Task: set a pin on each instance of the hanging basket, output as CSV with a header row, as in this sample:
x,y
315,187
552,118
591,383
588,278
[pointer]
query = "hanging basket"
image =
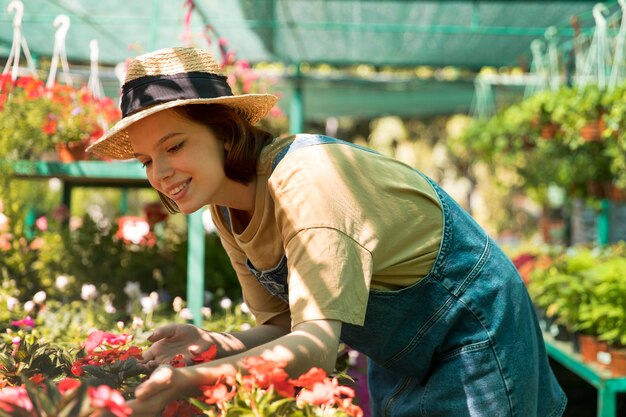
x,y
71,151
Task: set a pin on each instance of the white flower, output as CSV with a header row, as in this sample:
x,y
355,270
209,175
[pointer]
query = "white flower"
x,y
244,308
245,326
177,304
147,305
12,302
39,297
206,312
120,325
353,356
154,296
29,306
185,314
88,292
61,282
109,307
137,322
132,289
226,303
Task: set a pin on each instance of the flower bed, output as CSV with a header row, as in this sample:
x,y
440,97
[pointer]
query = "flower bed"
x,y
89,373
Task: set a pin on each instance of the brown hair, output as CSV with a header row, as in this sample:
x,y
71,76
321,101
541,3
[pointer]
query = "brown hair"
x,y
246,141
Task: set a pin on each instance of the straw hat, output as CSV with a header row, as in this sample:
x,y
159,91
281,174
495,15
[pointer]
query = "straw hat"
x,y
169,78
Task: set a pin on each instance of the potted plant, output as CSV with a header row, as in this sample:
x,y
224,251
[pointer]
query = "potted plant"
x,y
35,119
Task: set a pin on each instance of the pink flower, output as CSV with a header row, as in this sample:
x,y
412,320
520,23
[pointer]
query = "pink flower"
x,y
98,337
12,397
107,398
25,322
42,223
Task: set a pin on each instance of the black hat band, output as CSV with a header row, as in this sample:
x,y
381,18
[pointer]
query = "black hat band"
x,y
154,89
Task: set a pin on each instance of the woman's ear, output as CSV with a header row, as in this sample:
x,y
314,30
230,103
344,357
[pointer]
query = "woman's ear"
x,y
228,145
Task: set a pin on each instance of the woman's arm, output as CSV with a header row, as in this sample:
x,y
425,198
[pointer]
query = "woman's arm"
x,y
189,340
310,344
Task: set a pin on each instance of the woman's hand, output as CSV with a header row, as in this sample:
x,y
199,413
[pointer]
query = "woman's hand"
x,y
176,339
164,385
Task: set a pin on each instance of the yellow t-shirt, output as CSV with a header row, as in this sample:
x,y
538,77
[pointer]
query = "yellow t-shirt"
x,y
347,220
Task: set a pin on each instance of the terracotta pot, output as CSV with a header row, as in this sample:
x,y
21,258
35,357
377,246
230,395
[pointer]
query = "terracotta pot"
x,y
618,361
71,151
588,347
592,130
548,131
599,189
603,357
617,194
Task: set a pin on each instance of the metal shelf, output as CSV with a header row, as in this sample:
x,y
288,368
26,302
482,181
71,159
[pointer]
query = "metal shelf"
x,y
122,174
602,379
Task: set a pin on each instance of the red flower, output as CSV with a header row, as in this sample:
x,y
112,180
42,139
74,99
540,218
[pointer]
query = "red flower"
x,y
308,379
107,398
77,368
180,409
321,393
50,127
218,393
36,379
178,361
68,384
206,356
268,373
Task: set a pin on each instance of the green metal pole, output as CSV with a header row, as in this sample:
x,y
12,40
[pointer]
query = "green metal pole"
x,y
296,107
607,403
67,196
154,24
195,265
124,201
603,222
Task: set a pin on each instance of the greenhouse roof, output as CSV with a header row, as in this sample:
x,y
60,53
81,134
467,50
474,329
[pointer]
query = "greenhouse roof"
x,y
384,34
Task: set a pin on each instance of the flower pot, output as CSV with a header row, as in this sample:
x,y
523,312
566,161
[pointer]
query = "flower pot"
x,y
618,361
617,194
548,131
588,347
71,151
592,130
599,189
603,357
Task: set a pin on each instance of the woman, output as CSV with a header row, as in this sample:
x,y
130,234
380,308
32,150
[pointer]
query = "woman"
x,y
331,242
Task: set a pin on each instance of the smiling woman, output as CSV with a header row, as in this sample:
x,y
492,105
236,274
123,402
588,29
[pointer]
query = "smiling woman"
x,y
331,242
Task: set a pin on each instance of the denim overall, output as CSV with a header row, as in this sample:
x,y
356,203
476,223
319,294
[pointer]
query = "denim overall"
x,y
462,341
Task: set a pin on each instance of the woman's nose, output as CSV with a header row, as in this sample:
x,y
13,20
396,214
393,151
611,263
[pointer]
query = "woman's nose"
x,y
162,170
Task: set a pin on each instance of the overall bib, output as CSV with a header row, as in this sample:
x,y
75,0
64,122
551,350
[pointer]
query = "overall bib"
x,y
462,341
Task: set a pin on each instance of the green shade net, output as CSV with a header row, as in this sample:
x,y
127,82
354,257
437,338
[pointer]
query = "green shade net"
x,y
384,34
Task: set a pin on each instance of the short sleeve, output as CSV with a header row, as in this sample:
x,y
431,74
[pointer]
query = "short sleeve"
x,y
329,276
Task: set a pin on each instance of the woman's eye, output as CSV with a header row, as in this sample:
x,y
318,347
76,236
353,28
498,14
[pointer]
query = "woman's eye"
x,y
176,147
145,164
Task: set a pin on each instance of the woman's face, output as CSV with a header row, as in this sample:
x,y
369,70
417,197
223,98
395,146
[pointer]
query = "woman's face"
x,y
184,160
